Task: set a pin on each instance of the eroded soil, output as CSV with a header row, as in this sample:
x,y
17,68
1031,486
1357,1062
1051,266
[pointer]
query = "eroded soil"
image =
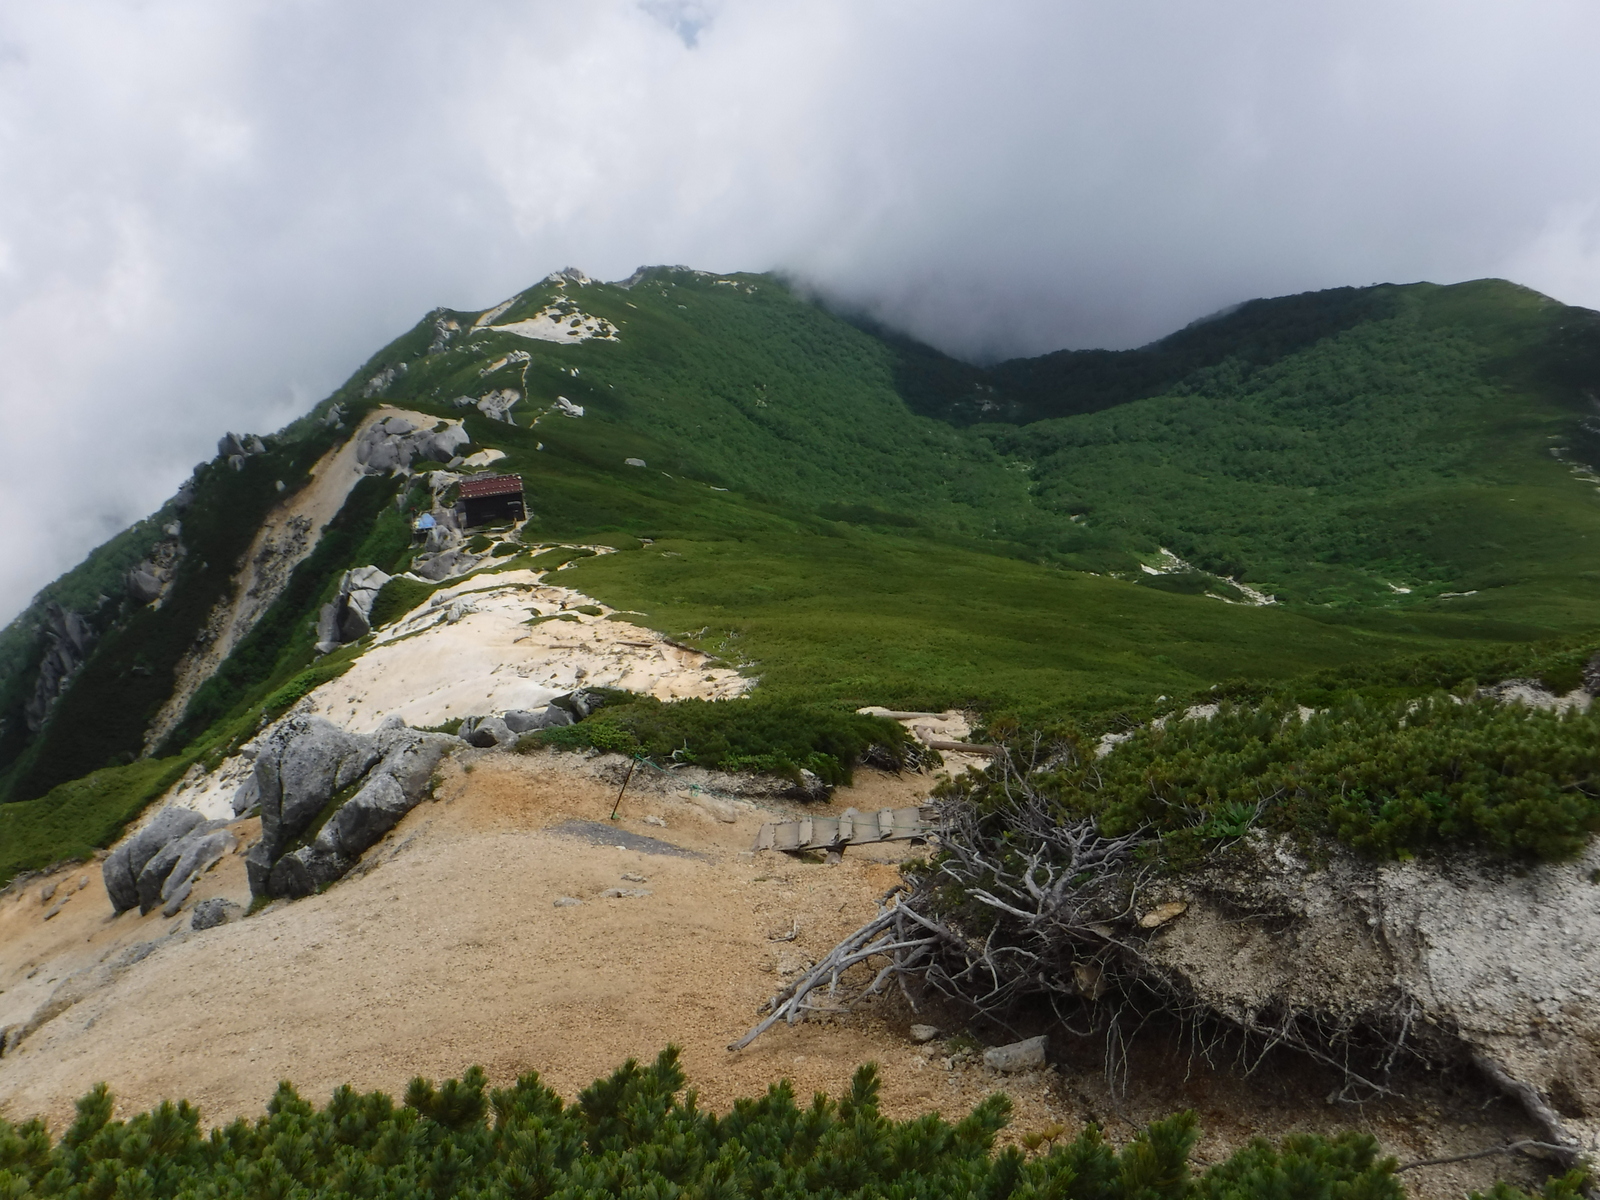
x,y
447,948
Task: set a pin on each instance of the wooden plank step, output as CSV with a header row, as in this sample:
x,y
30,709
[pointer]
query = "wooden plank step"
x,y
849,828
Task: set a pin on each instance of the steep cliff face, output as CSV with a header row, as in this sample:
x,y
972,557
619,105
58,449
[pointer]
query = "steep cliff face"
x,y
287,536
68,640
1439,960
103,675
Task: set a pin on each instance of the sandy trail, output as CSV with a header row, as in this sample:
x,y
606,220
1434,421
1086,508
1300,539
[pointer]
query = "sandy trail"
x,y
451,952
446,949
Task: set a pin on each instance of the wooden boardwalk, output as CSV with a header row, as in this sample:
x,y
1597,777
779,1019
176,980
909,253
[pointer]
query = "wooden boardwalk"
x,y
849,828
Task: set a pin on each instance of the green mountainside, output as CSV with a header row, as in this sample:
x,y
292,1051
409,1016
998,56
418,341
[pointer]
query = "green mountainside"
x,y
857,519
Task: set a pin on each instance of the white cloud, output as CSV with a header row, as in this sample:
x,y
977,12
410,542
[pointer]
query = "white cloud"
x,y
210,214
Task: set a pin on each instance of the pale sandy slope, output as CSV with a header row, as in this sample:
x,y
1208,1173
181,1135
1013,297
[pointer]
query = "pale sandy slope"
x,y
449,951
470,650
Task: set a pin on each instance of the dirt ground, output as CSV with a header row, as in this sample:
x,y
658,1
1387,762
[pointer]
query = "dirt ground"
x,y
447,948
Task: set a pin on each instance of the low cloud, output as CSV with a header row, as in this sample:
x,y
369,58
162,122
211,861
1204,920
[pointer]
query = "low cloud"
x,y
211,214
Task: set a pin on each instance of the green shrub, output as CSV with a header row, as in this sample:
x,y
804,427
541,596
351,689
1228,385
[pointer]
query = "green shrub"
x,y
452,726
396,598
302,685
1388,779
753,734
637,1134
549,560
1564,1187
72,819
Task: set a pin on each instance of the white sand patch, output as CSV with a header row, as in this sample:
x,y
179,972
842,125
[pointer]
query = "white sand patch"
x,y
561,323
1258,598
1171,564
510,360
1580,471
952,725
487,317
468,652
289,533
210,795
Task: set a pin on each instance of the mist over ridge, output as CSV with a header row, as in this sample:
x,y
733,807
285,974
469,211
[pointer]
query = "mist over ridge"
x,y
211,217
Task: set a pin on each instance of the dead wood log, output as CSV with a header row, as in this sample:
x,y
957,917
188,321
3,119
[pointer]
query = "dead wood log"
x,y
896,933
982,748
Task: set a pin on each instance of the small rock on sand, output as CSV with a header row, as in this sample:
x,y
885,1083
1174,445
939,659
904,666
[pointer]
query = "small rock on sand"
x,y
210,913
924,1033
624,893
1162,913
568,901
725,813
1018,1056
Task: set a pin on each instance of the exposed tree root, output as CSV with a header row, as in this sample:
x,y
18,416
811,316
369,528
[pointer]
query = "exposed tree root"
x,y
1025,903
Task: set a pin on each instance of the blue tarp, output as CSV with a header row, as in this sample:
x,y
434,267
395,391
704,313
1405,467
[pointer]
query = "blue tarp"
x,y
426,521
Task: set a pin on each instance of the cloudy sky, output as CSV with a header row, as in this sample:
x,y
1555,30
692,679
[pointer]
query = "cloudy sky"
x,y
210,214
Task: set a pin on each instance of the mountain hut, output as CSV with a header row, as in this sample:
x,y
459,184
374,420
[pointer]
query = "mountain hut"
x,y
490,499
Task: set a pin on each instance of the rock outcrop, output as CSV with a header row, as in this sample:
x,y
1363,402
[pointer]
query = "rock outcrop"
x,y
445,564
208,914
505,728
394,444
199,851
348,617
379,383
497,404
68,639
487,731
302,766
442,555
1496,960
235,448
149,580
125,866
521,720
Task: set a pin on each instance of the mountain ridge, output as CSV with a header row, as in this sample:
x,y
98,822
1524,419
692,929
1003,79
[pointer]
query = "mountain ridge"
x,y
784,449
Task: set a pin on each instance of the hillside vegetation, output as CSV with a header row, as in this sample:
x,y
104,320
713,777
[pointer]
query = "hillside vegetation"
x,y
852,518
638,1134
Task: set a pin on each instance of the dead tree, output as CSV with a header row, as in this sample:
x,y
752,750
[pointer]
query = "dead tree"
x,y
1027,901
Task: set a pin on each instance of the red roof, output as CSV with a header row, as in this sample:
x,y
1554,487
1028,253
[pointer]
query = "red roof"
x,y
491,485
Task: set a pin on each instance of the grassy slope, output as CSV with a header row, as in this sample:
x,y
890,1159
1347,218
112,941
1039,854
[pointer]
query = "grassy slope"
x,y
929,593
872,618
74,818
864,554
